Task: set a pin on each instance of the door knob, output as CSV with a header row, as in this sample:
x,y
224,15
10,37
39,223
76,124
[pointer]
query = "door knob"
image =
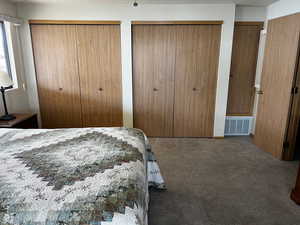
x,y
60,89
194,89
260,92
100,89
155,89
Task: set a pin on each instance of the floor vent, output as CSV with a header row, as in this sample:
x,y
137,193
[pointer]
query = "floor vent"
x,y
238,125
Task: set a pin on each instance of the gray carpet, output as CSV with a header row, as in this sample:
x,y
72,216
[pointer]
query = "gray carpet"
x,y
222,182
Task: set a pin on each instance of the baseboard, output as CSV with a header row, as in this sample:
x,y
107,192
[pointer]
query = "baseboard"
x,y
218,137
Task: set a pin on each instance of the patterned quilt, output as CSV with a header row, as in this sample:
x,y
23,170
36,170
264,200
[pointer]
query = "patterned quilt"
x,y
95,176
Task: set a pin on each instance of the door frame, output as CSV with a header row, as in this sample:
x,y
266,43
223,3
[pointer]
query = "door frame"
x,y
74,22
68,22
260,25
178,22
173,22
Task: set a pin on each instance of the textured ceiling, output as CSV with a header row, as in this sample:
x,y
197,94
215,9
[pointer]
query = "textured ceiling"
x,y
239,2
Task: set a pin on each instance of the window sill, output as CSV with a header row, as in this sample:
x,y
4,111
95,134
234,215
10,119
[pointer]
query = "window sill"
x,y
13,89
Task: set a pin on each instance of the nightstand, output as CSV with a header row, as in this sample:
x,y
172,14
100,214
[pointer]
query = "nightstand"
x,y
24,121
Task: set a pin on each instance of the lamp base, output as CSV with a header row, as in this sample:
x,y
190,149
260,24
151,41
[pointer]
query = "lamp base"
x,y
7,117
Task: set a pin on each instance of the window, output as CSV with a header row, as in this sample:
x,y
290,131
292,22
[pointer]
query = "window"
x,y
4,57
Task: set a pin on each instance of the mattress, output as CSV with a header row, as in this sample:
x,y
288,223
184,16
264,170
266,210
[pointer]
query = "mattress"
x,y
95,176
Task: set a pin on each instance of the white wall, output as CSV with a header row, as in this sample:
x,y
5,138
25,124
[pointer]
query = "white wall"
x,y
283,8
7,8
93,10
259,67
250,13
17,99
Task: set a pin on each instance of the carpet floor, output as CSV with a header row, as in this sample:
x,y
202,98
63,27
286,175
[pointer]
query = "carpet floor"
x,y
222,182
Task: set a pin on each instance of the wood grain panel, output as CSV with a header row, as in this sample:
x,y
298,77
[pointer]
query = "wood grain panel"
x,y
277,80
153,73
197,59
243,68
57,75
99,57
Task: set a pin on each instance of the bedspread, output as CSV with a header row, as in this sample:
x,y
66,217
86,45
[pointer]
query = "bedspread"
x,y
95,176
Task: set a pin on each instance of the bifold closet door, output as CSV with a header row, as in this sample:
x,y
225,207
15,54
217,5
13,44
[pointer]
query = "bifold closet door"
x,y
243,68
78,71
196,68
99,58
278,76
153,73
56,67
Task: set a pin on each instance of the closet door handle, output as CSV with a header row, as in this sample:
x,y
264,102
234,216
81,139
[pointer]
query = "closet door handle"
x,y
155,89
260,92
100,89
194,89
60,89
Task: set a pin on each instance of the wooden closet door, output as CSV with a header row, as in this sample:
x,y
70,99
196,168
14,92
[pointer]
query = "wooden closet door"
x,y
197,59
243,67
153,78
99,57
56,67
277,80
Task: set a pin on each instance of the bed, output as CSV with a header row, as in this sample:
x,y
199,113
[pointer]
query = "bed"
x,y
95,176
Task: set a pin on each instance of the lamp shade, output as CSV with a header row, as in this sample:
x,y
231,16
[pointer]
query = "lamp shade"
x,y
5,80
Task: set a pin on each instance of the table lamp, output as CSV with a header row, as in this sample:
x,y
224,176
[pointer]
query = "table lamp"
x,y
5,84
